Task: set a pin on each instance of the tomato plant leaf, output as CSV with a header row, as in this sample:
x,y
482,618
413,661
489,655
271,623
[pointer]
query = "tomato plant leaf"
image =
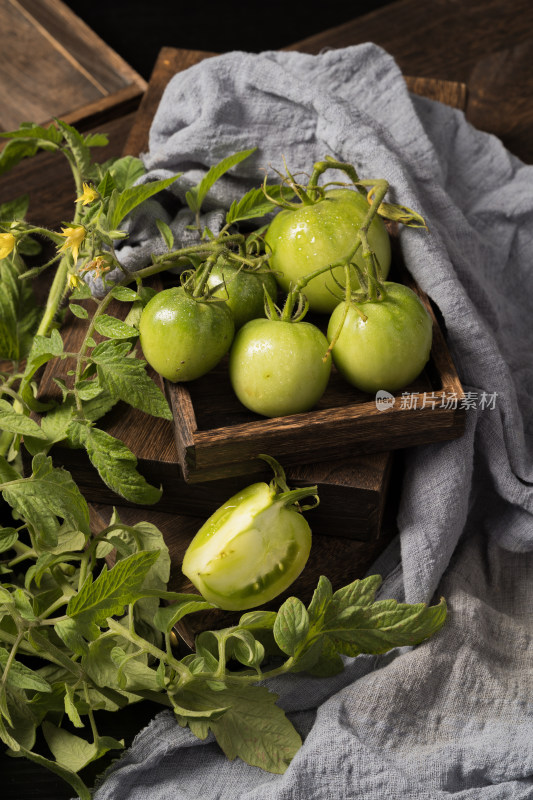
x,y
71,751
116,464
126,379
196,196
19,314
291,625
14,209
21,676
133,196
253,728
78,311
166,233
8,537
15,422
125,171
383,625
167,616
254,204
48,494
114,328
113,589
124,294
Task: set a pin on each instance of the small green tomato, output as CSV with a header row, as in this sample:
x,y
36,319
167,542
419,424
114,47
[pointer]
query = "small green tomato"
x,y
387,345
242,290
183,337
277,367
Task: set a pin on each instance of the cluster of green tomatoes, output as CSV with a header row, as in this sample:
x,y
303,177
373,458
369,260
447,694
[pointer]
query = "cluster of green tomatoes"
x,y
330,253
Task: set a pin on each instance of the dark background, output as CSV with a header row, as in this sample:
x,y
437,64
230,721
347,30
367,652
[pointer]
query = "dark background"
x,y
137,29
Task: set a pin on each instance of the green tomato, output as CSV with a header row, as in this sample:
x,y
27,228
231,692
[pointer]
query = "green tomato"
x,y
181,337
309,237
277,367
389,348
250,550
242,291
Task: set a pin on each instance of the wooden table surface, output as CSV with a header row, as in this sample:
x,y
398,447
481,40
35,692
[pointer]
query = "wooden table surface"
x,y
487,44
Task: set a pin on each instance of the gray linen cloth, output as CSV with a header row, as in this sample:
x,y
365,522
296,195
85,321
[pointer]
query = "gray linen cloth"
x,y
453,717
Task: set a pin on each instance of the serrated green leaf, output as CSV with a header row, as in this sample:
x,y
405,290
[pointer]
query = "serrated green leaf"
x,y
196,196
291,625
116,464
383,625
114,328
113,589
15,209
19,313
320,600
7,472
14,422
54,425
132,197
359,593
253,728
33,131
72,752
81,292
8,537
43,349
106,185
47,495
125,171
96,140
76,634
258,620
126,379
124,294
76,143
78,311
21,676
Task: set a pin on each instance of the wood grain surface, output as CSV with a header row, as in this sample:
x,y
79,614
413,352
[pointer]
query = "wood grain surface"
x,y
53,65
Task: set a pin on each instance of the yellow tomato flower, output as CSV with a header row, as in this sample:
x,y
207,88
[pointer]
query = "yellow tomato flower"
x,y
74,281
88,196
74,237
7,243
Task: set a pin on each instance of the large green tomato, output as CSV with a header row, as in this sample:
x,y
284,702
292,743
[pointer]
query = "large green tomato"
x,y
242,290
389,348
277,367
250,550
183,338
312,236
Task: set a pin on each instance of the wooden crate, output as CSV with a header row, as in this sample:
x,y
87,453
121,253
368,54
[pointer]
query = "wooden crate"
x,y
53,65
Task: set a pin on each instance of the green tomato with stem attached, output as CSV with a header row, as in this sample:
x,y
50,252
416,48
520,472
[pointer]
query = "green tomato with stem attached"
x,y
252,548
278,367
183,337
383,344
311,236
243,290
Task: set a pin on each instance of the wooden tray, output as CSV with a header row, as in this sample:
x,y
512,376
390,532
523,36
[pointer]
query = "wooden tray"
x,y
217,436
